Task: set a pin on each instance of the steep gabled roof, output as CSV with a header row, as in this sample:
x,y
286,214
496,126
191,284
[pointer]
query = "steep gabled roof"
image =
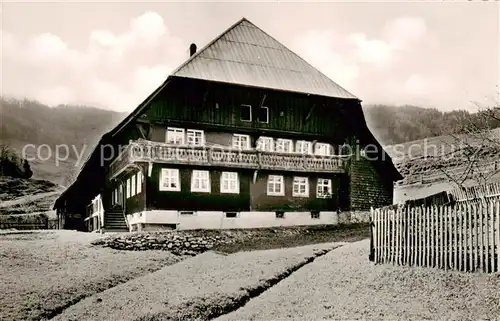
x,y
246,55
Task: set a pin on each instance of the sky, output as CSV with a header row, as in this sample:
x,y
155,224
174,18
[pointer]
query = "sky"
x,y
439,54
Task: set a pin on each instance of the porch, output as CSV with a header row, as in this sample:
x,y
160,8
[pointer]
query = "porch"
x,y
144,151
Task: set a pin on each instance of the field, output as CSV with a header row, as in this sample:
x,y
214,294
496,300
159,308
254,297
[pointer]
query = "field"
x,y
60,276
344,285
41,273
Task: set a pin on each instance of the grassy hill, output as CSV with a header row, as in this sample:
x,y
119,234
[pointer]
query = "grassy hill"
x,y
448,157
79,127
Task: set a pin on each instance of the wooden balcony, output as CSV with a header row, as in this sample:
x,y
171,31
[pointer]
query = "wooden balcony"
x,y
147,151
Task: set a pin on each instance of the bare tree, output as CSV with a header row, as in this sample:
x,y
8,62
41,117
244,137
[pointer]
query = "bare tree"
x,y
474,155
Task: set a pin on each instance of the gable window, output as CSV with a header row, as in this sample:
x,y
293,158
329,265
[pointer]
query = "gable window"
x,y
284,145
246,113
322,149
195,137
263,115
175,136
169,180
241,141
200,181
275,185
300,187
303,147
265,144
229,183
324,188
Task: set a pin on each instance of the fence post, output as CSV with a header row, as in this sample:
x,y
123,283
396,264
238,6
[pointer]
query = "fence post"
x,y
400,225
489,224
497,214
377,236
371,256
427,236
469,232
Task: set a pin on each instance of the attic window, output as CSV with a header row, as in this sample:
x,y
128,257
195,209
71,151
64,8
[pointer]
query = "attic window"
x,y
246,113
263,114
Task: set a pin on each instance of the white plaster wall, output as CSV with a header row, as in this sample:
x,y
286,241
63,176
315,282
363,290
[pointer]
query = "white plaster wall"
x,y
153,217
218,220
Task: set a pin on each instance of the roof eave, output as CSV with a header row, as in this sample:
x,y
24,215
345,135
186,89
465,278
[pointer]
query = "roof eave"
x,y
353,98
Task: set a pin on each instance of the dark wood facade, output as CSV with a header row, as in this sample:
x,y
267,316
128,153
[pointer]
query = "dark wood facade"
x,y
137,150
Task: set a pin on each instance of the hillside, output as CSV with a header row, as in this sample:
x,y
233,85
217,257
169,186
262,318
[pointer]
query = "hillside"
x,y
29,122
79,127
401,124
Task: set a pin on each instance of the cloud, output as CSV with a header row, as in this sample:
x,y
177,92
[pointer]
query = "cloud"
x,y
323,49
404,32
382,67
373,51
114,70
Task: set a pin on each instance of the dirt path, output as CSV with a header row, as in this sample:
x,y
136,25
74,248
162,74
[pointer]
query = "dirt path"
x,y
27,198
199,288
344,285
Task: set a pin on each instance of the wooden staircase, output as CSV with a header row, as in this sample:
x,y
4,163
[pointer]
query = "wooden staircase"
x,y
114,220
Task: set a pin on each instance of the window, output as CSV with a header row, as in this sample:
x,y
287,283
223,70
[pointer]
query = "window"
x,y
128,187
120,194
195,137
265,144
133,191
139,182
169,180
324,188
231,214
241,141
246,113
229,183
303,147
315,215
263,115
275,185
175,136
200,181
186,213
300,187
280,214
322,149
284,145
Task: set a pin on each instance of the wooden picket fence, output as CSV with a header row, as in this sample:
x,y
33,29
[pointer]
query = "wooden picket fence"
x,y
491,190
464,236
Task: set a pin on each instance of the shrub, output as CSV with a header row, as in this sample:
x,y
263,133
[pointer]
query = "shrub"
x,y
12,165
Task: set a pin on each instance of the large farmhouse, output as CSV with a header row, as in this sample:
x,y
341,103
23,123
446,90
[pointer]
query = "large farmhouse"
x,y
245,133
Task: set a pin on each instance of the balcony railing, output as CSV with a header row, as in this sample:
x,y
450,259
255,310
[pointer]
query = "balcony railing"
x,y
148,151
